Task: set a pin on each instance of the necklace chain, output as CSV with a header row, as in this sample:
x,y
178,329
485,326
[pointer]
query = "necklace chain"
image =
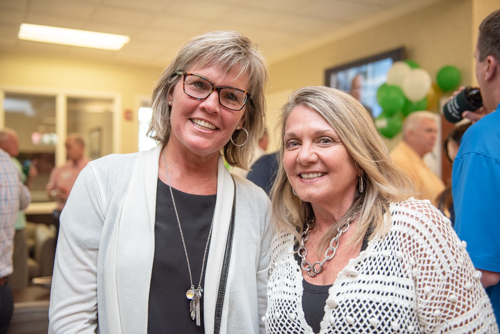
x,y
193,294
317,267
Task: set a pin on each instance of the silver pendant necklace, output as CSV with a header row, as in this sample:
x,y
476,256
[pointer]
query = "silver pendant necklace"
x,y
317,267
193,294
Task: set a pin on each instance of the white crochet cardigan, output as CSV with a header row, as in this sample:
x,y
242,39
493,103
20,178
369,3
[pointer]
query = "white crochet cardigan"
x,y
416,279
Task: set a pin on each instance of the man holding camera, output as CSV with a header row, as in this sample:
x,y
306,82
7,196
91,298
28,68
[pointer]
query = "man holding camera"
x,y
476,169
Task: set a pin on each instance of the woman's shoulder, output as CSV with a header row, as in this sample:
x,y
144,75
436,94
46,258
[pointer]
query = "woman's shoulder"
x,y
114,162
419,214
250,190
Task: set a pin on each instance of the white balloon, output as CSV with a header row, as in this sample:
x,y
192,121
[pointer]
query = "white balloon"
x,y
416,85
398,71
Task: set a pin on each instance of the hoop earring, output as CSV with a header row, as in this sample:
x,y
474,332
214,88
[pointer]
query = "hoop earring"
x,y
361,187
293,191
245,139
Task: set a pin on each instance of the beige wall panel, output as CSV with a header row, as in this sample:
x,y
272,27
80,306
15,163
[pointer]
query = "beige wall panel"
x,y
44,72
434,36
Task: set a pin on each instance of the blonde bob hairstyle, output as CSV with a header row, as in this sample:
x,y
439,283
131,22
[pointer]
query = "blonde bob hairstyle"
x,y
383,181
226,50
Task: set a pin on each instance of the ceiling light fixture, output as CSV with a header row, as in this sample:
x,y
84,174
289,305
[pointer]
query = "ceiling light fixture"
x,y
89,39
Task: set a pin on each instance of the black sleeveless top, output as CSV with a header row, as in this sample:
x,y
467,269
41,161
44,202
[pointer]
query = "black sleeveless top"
x,y
168,305
314,297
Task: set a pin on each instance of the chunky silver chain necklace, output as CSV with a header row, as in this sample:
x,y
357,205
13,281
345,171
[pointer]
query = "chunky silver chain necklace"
x,y
317,267
193,294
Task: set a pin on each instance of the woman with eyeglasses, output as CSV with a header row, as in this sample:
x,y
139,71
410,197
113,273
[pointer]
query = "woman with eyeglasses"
x,y
167,241
353,251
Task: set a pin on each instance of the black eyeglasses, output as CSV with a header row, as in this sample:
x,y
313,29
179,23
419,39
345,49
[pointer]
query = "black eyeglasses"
x,y
200,88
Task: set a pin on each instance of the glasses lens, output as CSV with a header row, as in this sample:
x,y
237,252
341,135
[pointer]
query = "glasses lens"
x,y
232,98
197,87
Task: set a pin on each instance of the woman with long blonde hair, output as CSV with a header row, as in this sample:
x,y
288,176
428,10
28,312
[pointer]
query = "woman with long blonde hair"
x,y
354,252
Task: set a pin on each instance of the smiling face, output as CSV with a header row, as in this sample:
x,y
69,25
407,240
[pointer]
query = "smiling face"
x,y
203,127
317,164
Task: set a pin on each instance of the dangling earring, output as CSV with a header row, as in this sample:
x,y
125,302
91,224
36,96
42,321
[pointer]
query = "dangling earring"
x,y
238,128
360,185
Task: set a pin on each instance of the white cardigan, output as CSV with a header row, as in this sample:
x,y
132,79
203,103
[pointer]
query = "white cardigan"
x,y
105,250
416,279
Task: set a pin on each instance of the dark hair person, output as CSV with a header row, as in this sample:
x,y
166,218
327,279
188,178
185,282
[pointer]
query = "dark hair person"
x,y
450,145
353,251
166,240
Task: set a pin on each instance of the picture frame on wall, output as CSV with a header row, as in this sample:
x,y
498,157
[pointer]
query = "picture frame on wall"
x,y
363,77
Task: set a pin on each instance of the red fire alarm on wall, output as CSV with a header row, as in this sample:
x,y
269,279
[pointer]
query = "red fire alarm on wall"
x,y
128,114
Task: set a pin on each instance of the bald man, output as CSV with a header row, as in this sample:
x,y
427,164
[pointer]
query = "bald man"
x,y
419,136
62,178
9,142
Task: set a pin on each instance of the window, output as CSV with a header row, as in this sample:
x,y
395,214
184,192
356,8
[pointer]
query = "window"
x,y
144,114
43,118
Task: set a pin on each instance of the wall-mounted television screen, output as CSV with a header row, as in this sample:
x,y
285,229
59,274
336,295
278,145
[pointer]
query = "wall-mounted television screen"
x,y
363,77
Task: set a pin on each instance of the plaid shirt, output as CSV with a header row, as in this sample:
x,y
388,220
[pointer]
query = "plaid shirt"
x,y
14,196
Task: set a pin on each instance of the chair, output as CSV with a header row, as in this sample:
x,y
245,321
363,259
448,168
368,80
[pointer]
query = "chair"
x,y
42,264
30,318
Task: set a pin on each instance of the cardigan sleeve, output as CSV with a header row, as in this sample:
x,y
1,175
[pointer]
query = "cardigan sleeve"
x,y
263,269
73,300
450,297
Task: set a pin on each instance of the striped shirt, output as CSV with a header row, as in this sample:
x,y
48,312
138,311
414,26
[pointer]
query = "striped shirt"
x,y
14,196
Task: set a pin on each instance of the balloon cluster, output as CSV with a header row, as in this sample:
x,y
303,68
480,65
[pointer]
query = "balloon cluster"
x,y
410,88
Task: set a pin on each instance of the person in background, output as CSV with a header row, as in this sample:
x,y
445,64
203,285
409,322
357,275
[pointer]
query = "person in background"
x,y
357,90
353,251
14,196
419,136
264,171
260,150
450,145
166,240
9,142
476,169
63,178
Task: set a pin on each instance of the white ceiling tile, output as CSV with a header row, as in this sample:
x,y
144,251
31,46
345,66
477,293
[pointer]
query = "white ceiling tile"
x,y
11,16
384,3
143,5
174,23
8,32
305,25
7,42
158,28
110,14
14,4
155,35
251,17
194,9
279,5
110,28
56,21
63,8
338,10
144,48
89,51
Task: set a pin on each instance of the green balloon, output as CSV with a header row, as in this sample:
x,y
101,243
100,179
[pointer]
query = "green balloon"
x,y
448,78
410,106
390,98
389,126
412,63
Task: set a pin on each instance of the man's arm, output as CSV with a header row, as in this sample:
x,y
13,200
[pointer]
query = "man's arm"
x,y
489,278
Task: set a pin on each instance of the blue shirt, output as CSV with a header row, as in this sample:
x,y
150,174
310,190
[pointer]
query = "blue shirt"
x,y
476,196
